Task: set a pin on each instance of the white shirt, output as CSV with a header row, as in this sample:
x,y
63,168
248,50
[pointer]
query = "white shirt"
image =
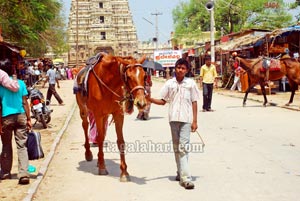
x,y
51,73
30,70
180,97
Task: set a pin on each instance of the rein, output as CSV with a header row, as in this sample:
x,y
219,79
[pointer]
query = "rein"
x,y
123,74
107,87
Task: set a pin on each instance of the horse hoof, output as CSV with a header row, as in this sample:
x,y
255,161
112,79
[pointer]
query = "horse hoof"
x,y
88,156
287,104
125,178
102,172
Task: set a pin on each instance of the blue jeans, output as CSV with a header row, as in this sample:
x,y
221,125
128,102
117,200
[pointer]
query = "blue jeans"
x,y
16,124
181,142
207,96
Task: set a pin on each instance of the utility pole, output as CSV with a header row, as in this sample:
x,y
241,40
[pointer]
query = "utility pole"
x,y
156,28
212,35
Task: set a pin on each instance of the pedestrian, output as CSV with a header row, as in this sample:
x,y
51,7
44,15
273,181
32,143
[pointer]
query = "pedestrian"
x,y
36,73
52,79
31,78
182,94
62,71
5,81
208,74
144,114
70,75
93,133
16,120
236,80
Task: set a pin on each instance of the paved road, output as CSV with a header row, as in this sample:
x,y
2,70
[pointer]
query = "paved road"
x,y
251,153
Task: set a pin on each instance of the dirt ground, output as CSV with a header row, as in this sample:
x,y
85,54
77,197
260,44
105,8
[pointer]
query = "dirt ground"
x,y
10,189
250,157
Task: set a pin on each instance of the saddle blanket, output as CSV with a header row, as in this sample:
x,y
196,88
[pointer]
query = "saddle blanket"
x,y
274,65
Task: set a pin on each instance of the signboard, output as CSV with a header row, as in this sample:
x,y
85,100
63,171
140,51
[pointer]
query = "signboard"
x,y
167,58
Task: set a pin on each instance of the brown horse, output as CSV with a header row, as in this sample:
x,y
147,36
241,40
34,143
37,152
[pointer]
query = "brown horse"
x,y
289,67
112,83
256,75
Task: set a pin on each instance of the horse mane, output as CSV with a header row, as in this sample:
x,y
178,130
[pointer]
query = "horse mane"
x,y
126,60
130,60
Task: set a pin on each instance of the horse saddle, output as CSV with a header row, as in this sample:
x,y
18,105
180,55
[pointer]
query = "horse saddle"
x,y
94,59
272,64
83,74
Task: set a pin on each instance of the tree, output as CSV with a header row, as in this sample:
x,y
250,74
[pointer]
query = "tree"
x,y
191,18
32,24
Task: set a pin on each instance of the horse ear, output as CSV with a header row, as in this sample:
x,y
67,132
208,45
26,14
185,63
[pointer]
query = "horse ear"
x,y
122,61
142,59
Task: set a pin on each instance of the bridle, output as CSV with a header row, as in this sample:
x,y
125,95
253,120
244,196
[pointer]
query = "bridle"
x,y
124,78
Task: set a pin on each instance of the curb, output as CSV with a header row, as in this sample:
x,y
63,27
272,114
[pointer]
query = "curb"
x,y
44,167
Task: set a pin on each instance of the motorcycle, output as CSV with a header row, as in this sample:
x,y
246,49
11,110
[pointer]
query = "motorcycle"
x,y
40,111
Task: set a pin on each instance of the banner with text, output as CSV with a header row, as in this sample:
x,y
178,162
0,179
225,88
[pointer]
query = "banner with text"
x,y
167,58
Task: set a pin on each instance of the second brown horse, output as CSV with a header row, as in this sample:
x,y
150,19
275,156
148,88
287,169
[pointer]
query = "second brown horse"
x,y
289,67
114,85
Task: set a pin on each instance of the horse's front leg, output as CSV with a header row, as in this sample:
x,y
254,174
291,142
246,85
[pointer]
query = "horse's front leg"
x,y
263,91
246,95
101,129
119,120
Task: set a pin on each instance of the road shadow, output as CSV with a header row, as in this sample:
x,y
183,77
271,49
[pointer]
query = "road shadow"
x,y
112,167
152,117
250,106
171,178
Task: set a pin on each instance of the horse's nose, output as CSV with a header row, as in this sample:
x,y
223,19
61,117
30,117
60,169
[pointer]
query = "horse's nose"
x,y
141,103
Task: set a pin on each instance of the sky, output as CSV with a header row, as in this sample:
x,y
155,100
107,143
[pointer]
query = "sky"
x,y
143,19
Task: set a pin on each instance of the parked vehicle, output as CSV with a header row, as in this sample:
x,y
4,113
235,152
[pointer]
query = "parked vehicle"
x,y
39,110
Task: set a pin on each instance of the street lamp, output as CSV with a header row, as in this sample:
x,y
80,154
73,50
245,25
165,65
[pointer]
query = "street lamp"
x,y
156,28
210,7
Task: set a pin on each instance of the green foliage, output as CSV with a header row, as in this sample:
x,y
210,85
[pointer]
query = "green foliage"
x,y
32,24
191,18
272,15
